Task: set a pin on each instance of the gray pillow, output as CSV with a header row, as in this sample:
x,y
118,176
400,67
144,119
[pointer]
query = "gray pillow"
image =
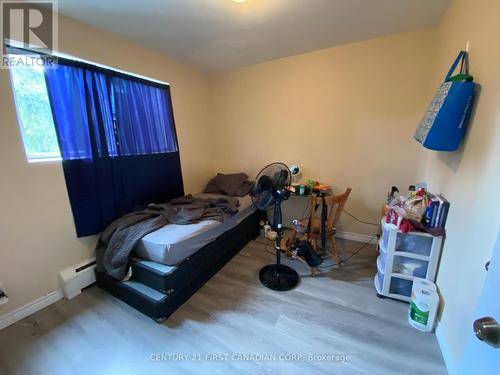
x,y
229,183
211,187
244,189
234,184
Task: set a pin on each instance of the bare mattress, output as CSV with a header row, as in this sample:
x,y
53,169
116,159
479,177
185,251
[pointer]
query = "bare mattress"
x,y
173,243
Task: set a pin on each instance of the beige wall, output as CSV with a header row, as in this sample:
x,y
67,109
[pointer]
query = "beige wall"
x,y
347,115
36,228
470,178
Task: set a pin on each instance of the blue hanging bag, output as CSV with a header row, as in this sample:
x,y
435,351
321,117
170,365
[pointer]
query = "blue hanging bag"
x,y
445,122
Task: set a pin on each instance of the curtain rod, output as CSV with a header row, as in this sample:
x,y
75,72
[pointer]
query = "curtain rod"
x,y
75,61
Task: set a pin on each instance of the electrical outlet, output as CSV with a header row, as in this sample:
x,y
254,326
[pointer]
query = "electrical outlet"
x,y
3,296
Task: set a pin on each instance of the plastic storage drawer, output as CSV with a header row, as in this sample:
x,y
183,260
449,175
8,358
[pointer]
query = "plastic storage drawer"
x,y
410,266
414,243
400,286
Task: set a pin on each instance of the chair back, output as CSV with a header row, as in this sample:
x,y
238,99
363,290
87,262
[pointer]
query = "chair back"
x,y
335,204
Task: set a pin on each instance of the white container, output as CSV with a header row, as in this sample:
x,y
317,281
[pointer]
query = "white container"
x,y
399,254
271,235
424,305
267,228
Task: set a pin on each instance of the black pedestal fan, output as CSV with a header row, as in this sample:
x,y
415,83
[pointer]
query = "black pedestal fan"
x,y
270,190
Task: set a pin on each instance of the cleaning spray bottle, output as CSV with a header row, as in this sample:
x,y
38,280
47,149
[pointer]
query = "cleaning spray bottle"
x,y
424,305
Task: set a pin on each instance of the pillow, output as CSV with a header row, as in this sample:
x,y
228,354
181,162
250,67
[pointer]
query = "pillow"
x,y
211,187
234,184
229,183
244,189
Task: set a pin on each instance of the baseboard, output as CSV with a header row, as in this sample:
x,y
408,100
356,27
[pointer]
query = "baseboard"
x,y
449,361
30,308
357,237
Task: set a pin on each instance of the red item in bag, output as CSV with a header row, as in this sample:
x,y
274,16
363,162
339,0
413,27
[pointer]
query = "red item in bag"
x,y
392,217
421,192
406,226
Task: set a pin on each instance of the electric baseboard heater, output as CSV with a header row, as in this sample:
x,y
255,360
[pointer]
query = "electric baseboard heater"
x,y
73,279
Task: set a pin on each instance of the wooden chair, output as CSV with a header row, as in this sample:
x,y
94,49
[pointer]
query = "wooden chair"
x,y
335,204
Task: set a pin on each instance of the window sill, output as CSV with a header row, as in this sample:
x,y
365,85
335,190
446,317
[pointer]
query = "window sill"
x,y
44,160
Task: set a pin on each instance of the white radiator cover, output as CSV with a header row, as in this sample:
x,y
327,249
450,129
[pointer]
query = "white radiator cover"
x,y
73,279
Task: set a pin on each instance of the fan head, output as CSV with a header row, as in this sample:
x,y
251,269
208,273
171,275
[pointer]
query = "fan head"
x,y
271,184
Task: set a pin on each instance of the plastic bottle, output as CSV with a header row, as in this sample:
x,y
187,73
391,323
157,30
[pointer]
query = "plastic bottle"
x,y
424,305
394,193
267,228
412,191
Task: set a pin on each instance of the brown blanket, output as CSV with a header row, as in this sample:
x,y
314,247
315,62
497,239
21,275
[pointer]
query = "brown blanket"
x,y
120,237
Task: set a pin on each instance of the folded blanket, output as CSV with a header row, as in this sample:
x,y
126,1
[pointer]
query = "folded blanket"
x,y
119,239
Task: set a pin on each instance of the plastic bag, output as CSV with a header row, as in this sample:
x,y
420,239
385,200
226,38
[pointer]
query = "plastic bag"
x,y
415,208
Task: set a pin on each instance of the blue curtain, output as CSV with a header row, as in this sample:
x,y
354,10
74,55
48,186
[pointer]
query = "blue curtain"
x,y
118,143
135,103
67,92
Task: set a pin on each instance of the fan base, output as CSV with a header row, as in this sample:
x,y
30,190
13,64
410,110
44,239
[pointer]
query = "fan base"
x,y
279,277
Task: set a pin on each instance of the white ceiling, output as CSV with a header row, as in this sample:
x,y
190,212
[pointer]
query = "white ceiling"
x,y
222,34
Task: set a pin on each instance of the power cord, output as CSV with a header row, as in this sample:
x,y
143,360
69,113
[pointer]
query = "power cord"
x,y
366,243
349,214
271,249
306,209
357,251
361,221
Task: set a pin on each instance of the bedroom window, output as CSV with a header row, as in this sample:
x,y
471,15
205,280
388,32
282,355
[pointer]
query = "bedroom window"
x,y
113,131
124,101
34,113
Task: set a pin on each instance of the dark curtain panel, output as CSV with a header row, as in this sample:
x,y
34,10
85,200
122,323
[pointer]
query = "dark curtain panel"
x,y
117,140
135,103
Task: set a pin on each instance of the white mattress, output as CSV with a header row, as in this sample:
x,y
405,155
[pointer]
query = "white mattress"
x,y
173,243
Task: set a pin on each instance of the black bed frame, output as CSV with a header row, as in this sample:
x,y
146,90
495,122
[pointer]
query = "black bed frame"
x,y
170,290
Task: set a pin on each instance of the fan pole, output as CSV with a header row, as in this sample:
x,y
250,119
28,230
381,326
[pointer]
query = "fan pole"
x,y
278,276
277,227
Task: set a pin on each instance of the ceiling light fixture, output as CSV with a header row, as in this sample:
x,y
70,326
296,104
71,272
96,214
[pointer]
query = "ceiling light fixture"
x,y
239,1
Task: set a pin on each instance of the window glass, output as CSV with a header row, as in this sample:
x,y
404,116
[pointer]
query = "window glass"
x,y
34,113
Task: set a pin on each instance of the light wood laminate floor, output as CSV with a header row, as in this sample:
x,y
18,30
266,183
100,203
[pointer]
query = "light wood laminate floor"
x,y
331,324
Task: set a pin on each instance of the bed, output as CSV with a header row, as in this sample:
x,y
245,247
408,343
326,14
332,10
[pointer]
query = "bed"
x,y
172,263
173,243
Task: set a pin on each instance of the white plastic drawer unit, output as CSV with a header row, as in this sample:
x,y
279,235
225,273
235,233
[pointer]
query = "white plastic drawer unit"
x,y
380,278
386,234
400,287
404,257
414,243
410,266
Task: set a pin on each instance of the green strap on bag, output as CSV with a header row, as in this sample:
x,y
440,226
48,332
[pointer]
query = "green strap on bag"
x,y
461,78
464,75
